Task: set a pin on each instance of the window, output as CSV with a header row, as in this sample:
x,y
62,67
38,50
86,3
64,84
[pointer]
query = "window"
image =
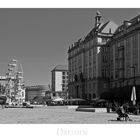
x,y
89,86
99,40
89,53
105,85
94,95
116,74
94,86
89,96
103,73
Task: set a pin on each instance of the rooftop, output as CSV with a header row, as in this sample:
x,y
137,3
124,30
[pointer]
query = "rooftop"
x,y
37,88
106,29
127,24
60,67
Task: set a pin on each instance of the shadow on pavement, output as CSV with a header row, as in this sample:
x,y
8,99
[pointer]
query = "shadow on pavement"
x,y
116,120
124,121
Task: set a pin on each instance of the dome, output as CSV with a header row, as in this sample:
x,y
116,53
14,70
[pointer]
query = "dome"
x,y
98,13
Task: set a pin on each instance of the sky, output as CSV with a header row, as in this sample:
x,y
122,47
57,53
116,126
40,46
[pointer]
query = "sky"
x,y
39,38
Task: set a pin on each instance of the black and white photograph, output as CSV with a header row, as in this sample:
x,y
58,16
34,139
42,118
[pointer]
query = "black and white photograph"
x,y
70,66
69,70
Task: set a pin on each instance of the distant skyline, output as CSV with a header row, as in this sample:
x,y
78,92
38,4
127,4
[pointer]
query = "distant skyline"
x,y
39,38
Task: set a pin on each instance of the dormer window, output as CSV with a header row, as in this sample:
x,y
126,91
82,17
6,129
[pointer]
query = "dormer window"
x,y
119,29
129,23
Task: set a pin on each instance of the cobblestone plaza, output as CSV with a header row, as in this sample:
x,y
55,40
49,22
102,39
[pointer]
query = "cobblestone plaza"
x,y
59,115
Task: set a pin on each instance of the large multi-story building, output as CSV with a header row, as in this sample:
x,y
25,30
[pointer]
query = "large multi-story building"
x,y
87,61
124,50
60,81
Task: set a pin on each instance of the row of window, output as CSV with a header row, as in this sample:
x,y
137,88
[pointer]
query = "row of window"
x,y
64,73
122,83
87,45
65,81
126,55
65,77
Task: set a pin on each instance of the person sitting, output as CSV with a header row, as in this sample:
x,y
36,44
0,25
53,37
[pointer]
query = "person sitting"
x,y
122,114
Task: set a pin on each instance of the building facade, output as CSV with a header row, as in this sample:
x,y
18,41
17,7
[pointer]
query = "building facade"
x,y
124,48
87,61
35,91
60,81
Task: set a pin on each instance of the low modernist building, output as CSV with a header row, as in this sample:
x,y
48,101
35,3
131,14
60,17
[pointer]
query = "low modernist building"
x,y
35,91
60,80
87,61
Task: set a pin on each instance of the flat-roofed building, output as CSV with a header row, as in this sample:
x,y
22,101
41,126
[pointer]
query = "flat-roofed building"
x,y
35,91
60,80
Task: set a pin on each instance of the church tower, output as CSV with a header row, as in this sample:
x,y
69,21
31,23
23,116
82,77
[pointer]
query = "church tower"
x,y
97,19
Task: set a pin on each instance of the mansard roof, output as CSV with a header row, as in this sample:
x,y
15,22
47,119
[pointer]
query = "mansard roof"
x,y
128,23
108,27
